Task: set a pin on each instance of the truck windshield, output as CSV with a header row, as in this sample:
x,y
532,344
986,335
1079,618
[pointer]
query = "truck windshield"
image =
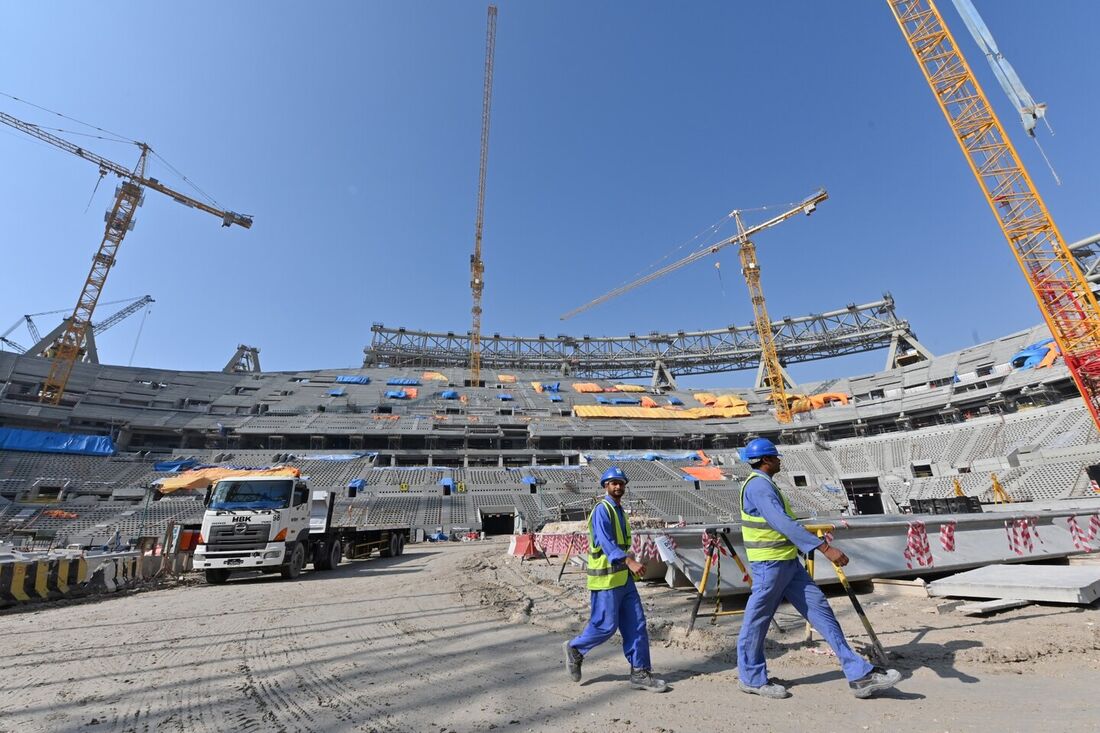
x,y
251,495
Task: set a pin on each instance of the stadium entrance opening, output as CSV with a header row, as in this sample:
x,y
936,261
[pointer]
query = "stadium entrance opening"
x,y
497,520
864,494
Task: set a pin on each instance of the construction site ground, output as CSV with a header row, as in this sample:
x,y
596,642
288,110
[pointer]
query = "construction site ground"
x,y
461,637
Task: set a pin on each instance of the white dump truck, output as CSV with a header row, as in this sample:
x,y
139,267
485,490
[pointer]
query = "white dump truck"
x,y
278,523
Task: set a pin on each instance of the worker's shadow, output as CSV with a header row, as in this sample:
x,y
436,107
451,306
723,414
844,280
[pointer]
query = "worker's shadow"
x,y
834,675
940,658
620,679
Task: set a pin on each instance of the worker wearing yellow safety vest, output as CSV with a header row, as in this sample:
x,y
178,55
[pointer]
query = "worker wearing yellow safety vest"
x,y
614,598
772,541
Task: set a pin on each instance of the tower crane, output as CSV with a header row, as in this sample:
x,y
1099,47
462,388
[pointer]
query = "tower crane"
x,y
1065,299
41,345
477,267
769,357
119,220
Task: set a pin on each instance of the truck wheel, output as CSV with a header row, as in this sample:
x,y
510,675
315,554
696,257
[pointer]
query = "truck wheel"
x,y
216,576
335,554
293,568
400,544
388,550
328,557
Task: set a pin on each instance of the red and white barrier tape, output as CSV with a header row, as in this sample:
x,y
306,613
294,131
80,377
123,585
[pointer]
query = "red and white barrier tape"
x,y
1021,534
1081,539
712,543
916,548
947,535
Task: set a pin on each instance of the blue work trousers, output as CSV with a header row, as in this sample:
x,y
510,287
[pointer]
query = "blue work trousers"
x,y
772,582
617,609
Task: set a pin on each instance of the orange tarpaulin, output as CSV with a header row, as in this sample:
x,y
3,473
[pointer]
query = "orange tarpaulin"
x,y
587,387
433,376
200,478
629,388
704,473
713,400
537,386
649,402
506,378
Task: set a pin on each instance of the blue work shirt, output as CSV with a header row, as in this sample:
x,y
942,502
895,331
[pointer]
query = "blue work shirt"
x,y
762,500
604,531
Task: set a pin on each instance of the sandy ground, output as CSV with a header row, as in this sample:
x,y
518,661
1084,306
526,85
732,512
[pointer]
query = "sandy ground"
x,y
462,638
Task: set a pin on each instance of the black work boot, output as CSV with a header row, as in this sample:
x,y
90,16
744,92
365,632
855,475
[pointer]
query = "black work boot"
x,y
643,679
573,660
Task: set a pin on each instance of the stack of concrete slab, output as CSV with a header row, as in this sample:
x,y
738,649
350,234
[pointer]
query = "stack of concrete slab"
x,y
1044,583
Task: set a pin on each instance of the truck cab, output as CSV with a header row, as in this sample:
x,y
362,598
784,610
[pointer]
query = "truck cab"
x,y
257,523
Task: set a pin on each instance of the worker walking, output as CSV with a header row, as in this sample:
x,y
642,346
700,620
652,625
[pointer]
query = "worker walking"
x,y
615,602
772,542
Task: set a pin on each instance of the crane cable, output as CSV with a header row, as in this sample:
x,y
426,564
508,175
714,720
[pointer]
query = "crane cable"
x,y
707,232
117,138
138,337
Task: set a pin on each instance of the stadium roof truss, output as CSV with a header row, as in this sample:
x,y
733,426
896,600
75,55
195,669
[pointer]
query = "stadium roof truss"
x,y
849,330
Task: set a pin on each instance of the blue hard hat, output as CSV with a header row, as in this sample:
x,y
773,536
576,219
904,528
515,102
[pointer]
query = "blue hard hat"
x,y
760,447
613,473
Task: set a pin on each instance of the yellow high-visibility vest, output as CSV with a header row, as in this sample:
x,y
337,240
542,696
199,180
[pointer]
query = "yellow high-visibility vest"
x,y
601,574
763,543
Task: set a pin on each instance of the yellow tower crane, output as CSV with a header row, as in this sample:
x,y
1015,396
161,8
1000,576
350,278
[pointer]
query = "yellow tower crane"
x,y
769,356
477,267
1064,297
120,219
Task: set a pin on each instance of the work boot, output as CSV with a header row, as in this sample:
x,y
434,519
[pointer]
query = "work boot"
x,y
876,680
643,679
772,690
573,660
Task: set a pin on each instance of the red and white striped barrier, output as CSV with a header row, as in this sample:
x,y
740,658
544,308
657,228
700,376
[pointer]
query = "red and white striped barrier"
x,y
947,536
917,548
560,544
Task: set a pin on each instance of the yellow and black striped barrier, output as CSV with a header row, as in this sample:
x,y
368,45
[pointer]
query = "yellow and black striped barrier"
x,y
40,580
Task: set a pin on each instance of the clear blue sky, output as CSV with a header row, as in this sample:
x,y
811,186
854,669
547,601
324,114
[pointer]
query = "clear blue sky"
x,y
620,129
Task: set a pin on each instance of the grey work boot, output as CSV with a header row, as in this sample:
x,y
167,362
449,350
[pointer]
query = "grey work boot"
x,y
643,679
772,690
573,660
876,680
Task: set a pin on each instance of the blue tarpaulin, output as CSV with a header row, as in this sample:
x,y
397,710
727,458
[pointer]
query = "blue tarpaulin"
x,y
403,382
675,401
555,387
40,441
397,394
603,400
1030,356
357,483
338,392
449,394
626,401
504,396
555,398
531,480
350,379
175,466
447,481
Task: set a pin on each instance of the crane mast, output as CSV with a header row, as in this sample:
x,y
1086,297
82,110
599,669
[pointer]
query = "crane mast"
x,y
477,267
1064,297
768,355
119,220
